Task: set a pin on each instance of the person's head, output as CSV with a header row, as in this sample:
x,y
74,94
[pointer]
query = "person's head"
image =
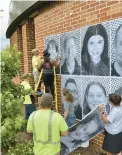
x,y
46,54
95,44
70,48
118,45
87,128
52,48
71,86
115,99
95,94
35,52
65,91
46,101
26,76
69,97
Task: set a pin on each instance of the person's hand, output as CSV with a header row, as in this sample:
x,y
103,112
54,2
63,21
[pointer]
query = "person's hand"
x,y
101,108
58,57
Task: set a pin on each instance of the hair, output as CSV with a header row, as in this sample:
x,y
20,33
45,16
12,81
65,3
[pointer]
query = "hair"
x,y
45,53
92,31
115,99
46,100
70,80
117,33
65,91
69,97
53,42
25,76
86,108
34,51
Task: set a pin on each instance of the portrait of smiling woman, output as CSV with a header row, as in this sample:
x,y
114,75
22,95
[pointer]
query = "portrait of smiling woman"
x,y
94,53
95,94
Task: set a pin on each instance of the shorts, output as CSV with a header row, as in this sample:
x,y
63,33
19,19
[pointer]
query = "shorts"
x,y
112,143
71,119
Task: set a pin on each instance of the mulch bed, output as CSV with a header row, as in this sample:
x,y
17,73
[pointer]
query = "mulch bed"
x,y
93,149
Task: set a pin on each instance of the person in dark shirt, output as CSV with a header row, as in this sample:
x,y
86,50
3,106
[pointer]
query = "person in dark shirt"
x,y
47,65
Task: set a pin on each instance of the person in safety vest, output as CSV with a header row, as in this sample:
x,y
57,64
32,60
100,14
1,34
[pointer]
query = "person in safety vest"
x,y
47,127
47,65
29,101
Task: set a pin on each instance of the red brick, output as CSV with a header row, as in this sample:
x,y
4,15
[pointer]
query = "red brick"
x,y
105,9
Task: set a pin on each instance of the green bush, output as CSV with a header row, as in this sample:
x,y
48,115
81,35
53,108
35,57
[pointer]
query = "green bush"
x,y
25,148
12,120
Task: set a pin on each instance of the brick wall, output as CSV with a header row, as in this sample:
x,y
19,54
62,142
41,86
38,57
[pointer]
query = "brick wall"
x,y
60,17
16,38
28,38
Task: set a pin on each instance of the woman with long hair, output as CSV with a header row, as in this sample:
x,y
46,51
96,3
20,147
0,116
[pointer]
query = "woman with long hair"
x,y
94,53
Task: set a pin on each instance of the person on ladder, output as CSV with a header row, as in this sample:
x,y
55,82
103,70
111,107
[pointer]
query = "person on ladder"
x,y
47,64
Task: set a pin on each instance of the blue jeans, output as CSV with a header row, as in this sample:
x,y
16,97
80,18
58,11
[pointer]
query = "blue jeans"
x,y
29,108
71,119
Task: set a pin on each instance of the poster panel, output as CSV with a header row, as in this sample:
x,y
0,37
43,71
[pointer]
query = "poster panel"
x,y
86,129
70,53
95,91
73,84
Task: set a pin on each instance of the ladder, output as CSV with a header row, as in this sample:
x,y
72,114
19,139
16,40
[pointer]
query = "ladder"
x,y
55,86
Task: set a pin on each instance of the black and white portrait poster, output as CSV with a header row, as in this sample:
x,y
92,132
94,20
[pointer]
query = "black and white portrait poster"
x,y
52,45
116,47
70,53
73,84
86,129
95,49
95,91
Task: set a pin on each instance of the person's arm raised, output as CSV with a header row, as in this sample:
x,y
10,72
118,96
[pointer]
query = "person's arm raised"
x,y
103,116
56,63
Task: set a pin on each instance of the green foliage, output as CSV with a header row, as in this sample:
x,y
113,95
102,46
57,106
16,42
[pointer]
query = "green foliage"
x,y
25,148
12,120
24,145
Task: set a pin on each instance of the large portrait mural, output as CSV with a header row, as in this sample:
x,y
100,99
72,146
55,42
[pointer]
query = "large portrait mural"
x,y
91,69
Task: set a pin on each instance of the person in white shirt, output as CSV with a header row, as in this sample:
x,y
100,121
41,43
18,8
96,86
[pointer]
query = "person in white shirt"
x,y
113,126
